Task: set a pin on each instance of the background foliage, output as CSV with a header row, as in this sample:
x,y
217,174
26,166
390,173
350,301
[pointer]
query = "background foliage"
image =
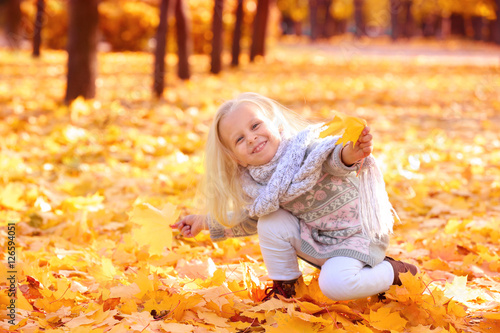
x,y
131,24
71,176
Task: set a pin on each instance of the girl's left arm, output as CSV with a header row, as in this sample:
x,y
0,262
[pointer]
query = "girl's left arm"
x,y
352,154
345,159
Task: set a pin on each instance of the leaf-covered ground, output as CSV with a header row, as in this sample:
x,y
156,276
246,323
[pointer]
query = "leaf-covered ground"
x,y
70,178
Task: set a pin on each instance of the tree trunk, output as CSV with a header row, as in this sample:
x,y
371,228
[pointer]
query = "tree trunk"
x,y
259,29
37,35
445,27
160,50
313,19
82,49
216,62
13,18
329,25
340,26
236,48
477,26
297,28
458,24
184,42
395,8
358,17
408,26
495,31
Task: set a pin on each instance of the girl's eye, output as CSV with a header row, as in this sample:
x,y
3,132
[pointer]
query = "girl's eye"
x,y
255,125
239,139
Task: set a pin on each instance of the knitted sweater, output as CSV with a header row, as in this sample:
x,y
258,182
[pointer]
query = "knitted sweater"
x,y
328,217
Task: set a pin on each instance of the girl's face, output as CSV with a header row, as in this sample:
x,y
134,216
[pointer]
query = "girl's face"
x,y
249,135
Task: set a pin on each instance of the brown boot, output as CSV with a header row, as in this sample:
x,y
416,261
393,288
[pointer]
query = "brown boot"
x,y
283,288
400,267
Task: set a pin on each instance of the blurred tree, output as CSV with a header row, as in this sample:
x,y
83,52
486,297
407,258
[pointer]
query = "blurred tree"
x,y
129,25
184,41
160,50
293,13
37,33
321,21
329,22
495,27
477,23
401,18
13,18
216,54
236,48
395,6
457,24
259,29
82,49
313,19
358,18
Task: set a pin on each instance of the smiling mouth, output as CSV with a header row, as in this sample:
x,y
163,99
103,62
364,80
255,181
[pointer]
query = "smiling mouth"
x,y
259,147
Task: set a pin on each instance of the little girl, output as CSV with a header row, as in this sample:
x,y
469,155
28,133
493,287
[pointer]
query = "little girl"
x,y
301,195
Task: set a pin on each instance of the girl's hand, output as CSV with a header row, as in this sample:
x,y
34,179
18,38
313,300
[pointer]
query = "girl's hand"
x,y
191,225
363,148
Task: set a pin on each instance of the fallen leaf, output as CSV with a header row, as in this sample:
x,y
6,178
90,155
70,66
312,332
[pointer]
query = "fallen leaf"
x,y
154,226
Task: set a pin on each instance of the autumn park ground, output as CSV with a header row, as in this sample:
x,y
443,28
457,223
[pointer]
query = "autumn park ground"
x,y
72,176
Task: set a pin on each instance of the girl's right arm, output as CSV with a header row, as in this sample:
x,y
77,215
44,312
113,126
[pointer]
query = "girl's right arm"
x,y
191,225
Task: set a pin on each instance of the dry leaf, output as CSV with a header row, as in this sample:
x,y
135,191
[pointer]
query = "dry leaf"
x,y
154,229
350,127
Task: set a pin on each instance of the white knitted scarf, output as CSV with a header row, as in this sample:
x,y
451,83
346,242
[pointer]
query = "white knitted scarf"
x,y
291,173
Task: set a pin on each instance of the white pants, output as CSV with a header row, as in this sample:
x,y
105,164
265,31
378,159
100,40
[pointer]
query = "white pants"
x,y
341,278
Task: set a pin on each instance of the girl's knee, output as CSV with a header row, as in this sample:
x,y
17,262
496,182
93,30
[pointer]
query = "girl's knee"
x,y
337,288
339,278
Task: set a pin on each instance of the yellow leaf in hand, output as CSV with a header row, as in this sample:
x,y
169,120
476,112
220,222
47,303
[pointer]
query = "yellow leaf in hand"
x,y
154,226
349,125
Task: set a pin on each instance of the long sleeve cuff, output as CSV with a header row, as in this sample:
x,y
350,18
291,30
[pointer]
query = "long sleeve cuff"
x,y
217,230
334,165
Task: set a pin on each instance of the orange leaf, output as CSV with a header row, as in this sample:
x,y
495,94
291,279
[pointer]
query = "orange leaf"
x,y
383,319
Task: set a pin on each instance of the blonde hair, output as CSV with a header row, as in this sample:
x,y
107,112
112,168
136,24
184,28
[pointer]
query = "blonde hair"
x,y
222,186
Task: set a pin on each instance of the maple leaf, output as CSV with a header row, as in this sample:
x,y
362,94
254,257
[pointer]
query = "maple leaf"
x,y
383,319
350,126
11,196
287,323
154,229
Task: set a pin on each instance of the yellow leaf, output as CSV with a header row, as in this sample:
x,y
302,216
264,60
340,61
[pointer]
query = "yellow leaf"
x,y
492,315
350,126
426,329
154,226
10,196
22,302
290,324
213,319
310,308
124,291
176,327
459,310
144,283
383,319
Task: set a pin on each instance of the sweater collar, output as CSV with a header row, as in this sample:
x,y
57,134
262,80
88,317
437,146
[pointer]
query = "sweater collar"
x,y
262,173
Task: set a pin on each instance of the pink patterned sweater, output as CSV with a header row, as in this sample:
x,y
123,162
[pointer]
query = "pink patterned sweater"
x,y
328,217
